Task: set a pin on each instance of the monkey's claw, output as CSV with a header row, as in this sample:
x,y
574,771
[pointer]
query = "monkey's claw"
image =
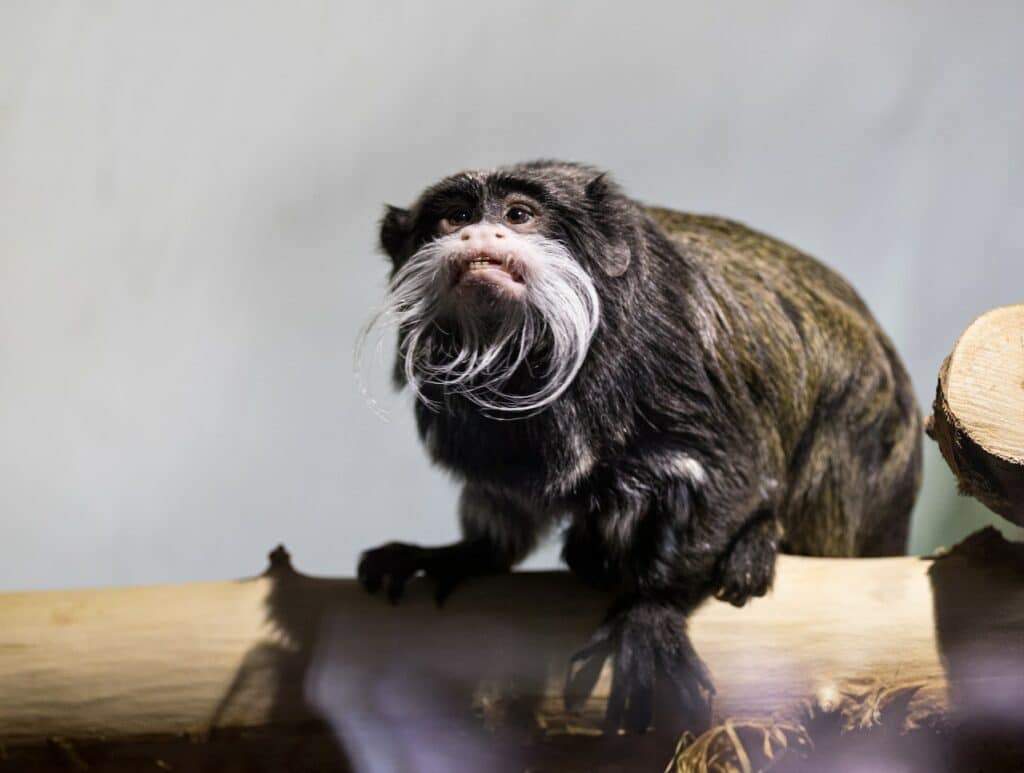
x,y
650,652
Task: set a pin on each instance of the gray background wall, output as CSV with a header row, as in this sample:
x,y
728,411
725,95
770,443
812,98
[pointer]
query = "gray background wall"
x,y
188,197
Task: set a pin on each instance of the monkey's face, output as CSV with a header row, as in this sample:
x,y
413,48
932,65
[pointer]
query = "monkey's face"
x,y
493,285
487,252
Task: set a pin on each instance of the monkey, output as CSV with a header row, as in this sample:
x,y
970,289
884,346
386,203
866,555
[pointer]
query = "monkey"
x,y
682,396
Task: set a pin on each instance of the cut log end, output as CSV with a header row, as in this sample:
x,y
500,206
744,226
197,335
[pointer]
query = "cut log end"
x,y
978,414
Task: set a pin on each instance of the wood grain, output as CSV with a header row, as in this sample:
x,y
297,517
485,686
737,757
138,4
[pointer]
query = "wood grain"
x,y
978,413
280,650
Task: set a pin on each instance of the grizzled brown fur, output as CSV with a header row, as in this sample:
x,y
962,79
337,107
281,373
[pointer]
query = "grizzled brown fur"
x,y
737,398
838,409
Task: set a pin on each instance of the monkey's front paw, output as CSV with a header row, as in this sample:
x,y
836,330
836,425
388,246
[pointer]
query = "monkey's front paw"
x,y
390,566
650,649
742,578
748,569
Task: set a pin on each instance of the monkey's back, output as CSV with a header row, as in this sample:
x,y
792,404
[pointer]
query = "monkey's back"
x,y
826,393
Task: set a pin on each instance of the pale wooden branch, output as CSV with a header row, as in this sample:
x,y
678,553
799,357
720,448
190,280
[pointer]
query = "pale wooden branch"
x,y
277,650
978,415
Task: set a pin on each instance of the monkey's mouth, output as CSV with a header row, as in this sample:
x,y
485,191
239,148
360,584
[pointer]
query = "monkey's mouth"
x,y
494,271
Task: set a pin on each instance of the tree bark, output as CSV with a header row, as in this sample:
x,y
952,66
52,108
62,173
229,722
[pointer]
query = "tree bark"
x,y
978,414
482,676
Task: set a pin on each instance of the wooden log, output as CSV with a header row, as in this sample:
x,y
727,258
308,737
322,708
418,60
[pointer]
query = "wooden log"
x,y
978,415
483,675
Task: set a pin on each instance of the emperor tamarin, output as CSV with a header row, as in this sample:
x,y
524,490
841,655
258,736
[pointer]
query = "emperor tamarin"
x,y
682,395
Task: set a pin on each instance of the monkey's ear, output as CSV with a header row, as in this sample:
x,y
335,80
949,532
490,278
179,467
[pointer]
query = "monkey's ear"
x,y
613,216
395,229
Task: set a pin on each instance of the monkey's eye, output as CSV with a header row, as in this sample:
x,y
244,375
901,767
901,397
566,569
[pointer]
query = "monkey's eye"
x,y
518,215
459,216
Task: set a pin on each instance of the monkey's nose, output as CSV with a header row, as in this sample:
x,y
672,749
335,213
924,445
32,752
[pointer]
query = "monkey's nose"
x,y
483,233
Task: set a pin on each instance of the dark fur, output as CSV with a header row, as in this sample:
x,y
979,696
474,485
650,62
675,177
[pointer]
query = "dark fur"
x,y
718,345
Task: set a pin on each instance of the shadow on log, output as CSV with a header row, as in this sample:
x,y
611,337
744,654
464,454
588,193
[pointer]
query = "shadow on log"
x,y
289,672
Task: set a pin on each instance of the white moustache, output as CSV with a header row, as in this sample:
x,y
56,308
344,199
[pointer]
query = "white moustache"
x,y
554,305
